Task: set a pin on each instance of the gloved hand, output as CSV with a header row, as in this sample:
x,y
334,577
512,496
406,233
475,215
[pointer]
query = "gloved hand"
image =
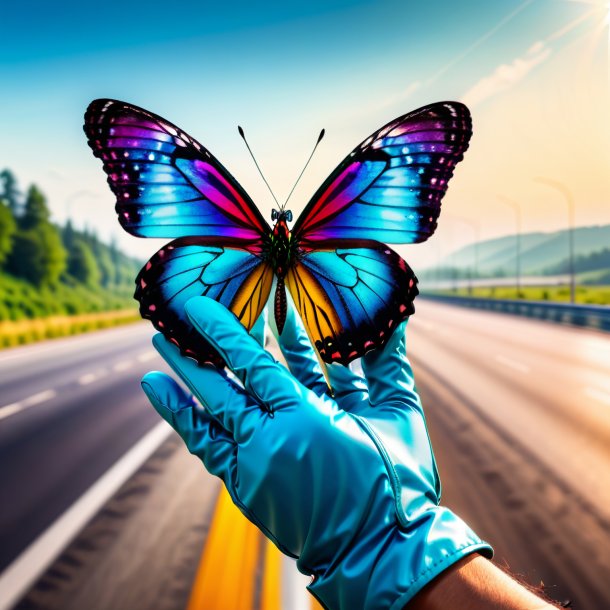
x,y
346,485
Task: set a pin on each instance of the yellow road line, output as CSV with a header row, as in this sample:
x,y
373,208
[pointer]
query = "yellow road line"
x,y
271,595
225,578
227,572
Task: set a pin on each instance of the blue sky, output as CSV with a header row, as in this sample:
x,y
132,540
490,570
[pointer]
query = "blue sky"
x,y
284,70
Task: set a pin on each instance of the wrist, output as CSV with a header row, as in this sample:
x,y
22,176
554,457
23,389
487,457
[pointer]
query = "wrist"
x,y
388,570
474,583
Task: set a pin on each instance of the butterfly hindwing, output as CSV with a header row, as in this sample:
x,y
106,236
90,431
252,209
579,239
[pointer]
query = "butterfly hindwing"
x,y
189,267
167,184
350,296
390,187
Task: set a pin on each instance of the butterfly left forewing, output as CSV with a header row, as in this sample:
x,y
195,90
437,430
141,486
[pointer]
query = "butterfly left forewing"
x,y
350,296
167,184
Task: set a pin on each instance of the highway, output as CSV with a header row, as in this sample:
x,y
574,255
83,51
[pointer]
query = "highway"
x,y
69,409
519,415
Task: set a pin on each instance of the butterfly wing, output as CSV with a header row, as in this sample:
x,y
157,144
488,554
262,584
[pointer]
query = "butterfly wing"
x,y
350,296
390,187
189,267
167,184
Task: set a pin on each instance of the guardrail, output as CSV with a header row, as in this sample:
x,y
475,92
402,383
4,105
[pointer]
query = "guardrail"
x,y
591,316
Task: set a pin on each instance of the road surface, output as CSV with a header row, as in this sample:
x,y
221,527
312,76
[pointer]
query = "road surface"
x,y
519,415
69,409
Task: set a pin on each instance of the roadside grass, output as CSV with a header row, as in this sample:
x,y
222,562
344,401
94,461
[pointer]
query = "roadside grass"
x,y
586,295
20,332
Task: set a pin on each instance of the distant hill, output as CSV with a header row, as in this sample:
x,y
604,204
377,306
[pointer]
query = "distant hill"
x,y
541,253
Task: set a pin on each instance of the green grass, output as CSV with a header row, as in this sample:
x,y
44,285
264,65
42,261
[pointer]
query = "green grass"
x,y
29,313
13,333
588,295
20,300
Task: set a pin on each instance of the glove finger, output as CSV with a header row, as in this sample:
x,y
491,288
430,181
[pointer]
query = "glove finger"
x,y
202,434
349,387
300,355
229,404
267,380
389,374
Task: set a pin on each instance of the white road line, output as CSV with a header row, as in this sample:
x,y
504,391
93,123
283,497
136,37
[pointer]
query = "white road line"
x,y
512,364
293,594
122,366
599,395
35,399
146,356
19,576
91,377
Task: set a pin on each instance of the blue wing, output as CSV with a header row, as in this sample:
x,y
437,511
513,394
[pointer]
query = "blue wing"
x,y
167,184
390,187
188,267
351,296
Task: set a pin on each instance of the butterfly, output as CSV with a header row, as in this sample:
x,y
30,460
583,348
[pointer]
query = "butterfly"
x,y
349,288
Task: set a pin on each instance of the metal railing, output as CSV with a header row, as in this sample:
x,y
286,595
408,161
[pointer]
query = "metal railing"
x,y
591,316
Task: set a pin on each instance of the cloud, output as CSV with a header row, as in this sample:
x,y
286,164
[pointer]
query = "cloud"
x,y
506,76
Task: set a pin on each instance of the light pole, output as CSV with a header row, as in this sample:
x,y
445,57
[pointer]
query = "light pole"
x,y
476,230
515,206
565,191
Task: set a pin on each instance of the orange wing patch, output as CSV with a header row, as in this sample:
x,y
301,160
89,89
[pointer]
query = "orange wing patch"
x,y
314,306
252,295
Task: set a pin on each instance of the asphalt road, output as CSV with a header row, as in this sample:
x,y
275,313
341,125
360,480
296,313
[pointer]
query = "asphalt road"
x,y
519,415
69,409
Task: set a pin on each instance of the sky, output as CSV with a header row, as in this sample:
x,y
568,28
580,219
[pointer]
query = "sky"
x,y
534,74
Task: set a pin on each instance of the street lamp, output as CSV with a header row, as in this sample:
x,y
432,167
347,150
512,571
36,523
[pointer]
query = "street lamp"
x,y
563,189
476,230
515,206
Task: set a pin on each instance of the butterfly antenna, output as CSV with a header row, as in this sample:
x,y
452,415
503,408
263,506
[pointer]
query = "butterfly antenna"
x,y
306,164
243,135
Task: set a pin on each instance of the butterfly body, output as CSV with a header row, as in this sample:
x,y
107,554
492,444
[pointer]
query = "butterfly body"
x,y
349,288
280,253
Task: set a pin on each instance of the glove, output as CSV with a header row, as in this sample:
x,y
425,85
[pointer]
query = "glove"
x,y
347,484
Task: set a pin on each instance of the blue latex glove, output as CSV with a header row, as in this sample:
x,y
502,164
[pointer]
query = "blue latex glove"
x,y
346,485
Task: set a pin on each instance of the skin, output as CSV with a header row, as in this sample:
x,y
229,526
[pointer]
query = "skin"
x,y
475,583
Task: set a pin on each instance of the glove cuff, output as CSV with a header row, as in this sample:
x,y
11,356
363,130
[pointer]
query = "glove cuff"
x,y
389,570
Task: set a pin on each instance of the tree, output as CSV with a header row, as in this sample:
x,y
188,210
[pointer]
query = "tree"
x,y
8,226
38,255
10,192
82,264
35,210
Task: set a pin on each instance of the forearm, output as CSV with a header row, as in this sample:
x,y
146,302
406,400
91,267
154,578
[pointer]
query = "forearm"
x,y
475,583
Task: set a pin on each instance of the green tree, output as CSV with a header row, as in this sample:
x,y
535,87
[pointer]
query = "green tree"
x,y
82,264
35,210
38,255
8,226
10,191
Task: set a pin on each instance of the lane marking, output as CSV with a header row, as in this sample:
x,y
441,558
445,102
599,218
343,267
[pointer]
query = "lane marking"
x,y
23,572
146,356
122,366
86,379
294,594
512,364
36,399
91,377
599,395
226,575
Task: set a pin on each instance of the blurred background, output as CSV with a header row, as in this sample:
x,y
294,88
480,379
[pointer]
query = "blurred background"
x,y
100,505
